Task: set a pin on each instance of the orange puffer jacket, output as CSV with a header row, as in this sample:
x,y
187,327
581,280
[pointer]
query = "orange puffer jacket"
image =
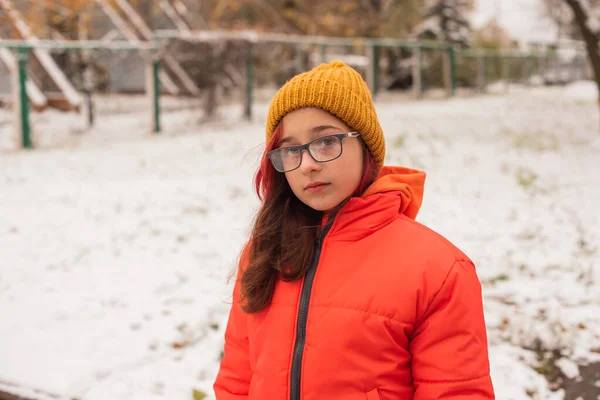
x,y
389,311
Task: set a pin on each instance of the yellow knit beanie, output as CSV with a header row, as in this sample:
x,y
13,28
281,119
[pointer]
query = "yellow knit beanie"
x,y
337,89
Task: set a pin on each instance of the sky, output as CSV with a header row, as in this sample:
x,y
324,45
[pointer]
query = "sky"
x,y
522,19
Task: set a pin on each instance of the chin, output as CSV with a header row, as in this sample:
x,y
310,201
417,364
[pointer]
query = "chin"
x,y
320,205
319,208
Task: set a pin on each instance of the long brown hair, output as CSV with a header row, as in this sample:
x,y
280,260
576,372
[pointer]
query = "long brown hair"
x,y
284,231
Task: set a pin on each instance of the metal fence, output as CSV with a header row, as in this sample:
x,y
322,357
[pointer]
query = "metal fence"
x,y
169,65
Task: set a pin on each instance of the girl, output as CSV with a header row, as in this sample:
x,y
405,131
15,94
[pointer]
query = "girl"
x,y
340,294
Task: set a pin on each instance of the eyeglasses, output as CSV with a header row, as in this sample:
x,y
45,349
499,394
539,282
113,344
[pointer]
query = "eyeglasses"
x,y
323,149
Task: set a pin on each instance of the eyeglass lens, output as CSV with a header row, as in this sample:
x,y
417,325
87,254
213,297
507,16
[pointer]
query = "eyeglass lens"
x,y
322,149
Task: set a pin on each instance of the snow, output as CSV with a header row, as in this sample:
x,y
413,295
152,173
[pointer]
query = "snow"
x,y
568,367
514,379
117,245
581,91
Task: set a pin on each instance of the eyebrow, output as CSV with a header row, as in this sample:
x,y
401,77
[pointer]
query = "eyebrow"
x,y
313,130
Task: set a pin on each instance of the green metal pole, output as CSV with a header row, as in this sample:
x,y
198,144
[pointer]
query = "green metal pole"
x,y
417,72
156,83
508,64
420,72
24,101
323,53
452,54
375,66
526,71
249,82
533,67
485,71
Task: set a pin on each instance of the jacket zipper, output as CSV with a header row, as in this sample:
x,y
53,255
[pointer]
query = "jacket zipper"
x,y
303,315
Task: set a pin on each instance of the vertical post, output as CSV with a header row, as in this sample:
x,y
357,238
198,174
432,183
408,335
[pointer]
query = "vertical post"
x,y
249,82
526,69
296,59
89,107
446,71
552,66
370,72
88,78
374,58
21,102
450,71
88,85
549,65
575,68
417,71
484,67
323,53
305,61
506,72
481,72
156,81
153,90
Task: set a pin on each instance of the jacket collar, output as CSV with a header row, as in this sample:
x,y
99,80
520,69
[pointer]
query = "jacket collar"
x,y
396,190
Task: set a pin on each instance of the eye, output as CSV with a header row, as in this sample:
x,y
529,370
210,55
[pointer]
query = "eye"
x,y
290,151
326,141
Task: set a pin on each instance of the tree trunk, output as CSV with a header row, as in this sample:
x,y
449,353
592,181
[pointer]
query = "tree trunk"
x,y
590,38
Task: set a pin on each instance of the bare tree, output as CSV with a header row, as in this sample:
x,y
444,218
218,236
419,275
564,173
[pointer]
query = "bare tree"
x,y
447,20
589,27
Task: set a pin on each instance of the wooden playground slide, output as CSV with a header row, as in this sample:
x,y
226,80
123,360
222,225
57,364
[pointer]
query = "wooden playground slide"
x,y
72,96
131,36
37,98
183,11
174,16
169,60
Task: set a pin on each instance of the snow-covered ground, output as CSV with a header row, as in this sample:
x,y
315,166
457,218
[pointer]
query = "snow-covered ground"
x,y
116,245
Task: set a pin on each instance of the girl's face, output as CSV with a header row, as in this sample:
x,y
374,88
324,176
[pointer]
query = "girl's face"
x,y
322,185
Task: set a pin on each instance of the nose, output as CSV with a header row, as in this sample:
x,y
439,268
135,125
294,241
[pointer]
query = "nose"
x,y
308,163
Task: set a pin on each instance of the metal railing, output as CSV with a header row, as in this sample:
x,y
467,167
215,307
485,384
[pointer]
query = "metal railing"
x,y
152,54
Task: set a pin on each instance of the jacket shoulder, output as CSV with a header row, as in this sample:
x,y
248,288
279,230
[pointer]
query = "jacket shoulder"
x,y
424,248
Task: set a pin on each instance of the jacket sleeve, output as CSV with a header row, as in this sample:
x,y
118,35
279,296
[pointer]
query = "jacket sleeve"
x,y
233,378
449,345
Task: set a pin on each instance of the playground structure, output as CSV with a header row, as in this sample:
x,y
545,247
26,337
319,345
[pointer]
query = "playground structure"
x,y
423,66
48,63
125,29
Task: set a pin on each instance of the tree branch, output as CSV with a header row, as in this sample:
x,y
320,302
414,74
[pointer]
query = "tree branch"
x,y
591,39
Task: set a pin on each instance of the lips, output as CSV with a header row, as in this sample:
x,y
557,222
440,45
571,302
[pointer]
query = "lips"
x,y
315,186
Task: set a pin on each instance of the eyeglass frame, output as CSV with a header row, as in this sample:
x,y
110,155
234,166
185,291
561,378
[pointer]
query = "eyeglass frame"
x,y
302,147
